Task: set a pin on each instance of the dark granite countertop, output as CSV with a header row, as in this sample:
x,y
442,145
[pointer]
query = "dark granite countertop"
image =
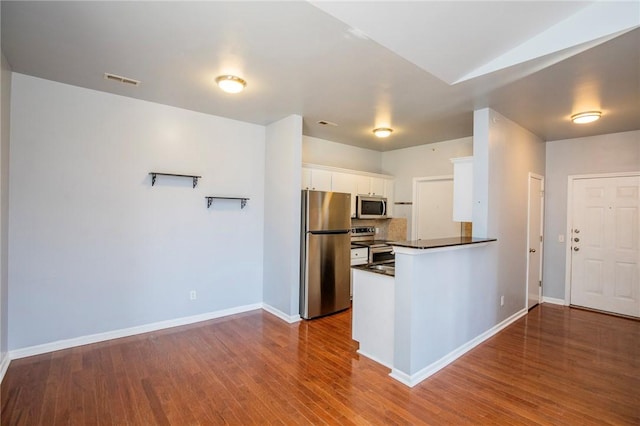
x,y
440,242
371,267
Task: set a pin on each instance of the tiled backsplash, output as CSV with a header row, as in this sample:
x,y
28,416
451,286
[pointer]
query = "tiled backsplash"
x,y
396,229
387,229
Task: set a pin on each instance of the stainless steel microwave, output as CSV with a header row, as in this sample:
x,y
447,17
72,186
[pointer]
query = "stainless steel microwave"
x,y
368,207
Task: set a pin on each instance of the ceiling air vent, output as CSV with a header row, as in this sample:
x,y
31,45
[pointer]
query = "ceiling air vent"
x,y
121,79
327,123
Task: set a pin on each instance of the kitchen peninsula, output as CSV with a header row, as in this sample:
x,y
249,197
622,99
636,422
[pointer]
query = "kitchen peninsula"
x,y
423,318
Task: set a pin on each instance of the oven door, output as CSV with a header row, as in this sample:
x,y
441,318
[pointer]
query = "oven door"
x,y
381,254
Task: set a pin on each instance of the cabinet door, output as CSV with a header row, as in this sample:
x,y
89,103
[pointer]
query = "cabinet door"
x,y
376,186
363,184
320,180
306,178
345,182
462,189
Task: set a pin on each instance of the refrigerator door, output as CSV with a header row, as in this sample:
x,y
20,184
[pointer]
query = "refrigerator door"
x,y
327,274
327,211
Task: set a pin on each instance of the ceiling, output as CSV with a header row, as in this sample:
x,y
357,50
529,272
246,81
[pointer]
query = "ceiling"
x,y
418,67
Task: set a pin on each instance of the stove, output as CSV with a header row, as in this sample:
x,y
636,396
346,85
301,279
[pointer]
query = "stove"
x,y
379,250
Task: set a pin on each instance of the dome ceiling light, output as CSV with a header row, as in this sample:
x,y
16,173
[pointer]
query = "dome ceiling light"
x,y
586,117
231,83
382,132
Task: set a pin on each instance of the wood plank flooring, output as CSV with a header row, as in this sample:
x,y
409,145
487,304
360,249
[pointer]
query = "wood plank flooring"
x,y
556,366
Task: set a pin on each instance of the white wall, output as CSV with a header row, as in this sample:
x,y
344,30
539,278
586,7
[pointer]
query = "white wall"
x,y
328,153
5,101
421,161
504,154
93,247
618,152
282,217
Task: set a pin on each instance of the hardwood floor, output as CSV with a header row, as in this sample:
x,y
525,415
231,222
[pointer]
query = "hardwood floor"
x,y
555,366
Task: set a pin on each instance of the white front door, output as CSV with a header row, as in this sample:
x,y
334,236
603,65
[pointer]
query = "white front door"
x,y
433,208
605,258
534,251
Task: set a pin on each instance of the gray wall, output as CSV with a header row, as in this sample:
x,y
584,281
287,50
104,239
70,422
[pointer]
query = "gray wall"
x,y
618,152
420,161
504,154
328,153
283,157
94,247
5,101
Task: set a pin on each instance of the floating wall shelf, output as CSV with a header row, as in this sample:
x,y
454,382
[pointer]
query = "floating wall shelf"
x,y
243,200
155,174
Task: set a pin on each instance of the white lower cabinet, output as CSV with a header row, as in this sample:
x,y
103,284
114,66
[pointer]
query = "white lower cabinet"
x,y
373,315
359,256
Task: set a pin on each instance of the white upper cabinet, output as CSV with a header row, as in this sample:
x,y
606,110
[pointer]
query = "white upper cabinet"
x,y
345,182
363,184
462,189
326,178
316,179
377,187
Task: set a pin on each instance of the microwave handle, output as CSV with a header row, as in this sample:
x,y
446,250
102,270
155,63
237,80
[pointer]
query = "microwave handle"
x,y
384,209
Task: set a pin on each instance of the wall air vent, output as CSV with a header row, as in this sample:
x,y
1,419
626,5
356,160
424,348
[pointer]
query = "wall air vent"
x,y
121,79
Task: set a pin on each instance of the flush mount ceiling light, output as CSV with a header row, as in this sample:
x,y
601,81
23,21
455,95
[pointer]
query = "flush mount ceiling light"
x,y
586,117
382,132
231,83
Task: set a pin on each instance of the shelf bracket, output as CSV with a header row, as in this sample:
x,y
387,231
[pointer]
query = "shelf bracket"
x,y
154,175
210,198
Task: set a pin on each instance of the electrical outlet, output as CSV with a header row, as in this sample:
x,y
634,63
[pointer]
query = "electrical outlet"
x,y
192,295
561,238
501,300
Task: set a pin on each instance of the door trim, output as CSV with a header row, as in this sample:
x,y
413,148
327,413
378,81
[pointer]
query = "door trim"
x,y
567,261
541,179
416,206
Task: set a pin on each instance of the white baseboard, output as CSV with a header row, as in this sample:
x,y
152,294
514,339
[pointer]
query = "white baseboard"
x,y
553,301
125,332
4,365
277,312
373,358
414,379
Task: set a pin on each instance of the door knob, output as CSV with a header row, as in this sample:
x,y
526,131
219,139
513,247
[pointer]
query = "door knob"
x,y
576,239
532,250
576,249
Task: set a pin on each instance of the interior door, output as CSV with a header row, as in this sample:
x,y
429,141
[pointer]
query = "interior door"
x,y
534,255
604,244
433,209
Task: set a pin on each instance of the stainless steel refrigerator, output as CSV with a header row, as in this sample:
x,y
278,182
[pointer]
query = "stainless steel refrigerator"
x,y
325,253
